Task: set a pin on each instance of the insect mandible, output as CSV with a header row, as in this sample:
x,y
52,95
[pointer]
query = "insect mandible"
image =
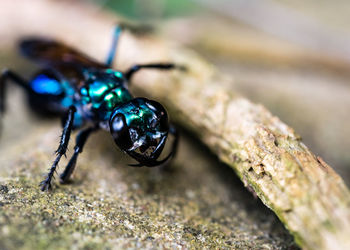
x,y
90,96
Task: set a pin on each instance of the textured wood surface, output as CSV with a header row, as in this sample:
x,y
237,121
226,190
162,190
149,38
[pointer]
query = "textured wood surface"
x,y
305,193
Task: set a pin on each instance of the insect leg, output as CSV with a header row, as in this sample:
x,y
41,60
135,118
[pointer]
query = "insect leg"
x,y
113,49
161,66
10,75
62,148
174,146
80,142
175,133
140,30
172,130
165,161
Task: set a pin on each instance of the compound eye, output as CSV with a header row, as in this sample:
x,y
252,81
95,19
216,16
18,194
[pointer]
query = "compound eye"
x,y
161,113
120,131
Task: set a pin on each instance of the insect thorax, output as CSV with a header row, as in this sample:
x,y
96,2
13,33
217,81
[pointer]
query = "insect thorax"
x,y
102,93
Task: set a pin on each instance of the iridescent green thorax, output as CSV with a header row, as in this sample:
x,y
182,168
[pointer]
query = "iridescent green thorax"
x,y
104,91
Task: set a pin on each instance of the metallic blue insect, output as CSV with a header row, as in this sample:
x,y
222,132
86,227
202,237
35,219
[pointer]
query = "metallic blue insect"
x,y
90,96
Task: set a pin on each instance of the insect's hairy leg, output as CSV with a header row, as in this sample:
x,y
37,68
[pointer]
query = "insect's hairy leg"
x,y
62,148
78,148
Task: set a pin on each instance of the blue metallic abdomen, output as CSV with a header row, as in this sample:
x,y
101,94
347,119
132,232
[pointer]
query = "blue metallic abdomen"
x,y
44,84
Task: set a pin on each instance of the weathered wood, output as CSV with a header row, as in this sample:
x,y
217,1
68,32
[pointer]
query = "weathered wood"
x,y
305,193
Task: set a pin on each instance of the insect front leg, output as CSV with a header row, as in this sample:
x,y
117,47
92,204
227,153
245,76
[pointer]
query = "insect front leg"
x,y
62,148
154,163
80,142
165,162
161,66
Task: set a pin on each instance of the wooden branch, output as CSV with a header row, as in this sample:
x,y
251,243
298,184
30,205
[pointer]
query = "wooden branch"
x,y
305,193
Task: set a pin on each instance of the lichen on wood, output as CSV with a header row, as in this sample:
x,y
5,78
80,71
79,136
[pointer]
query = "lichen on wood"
x,y
267,154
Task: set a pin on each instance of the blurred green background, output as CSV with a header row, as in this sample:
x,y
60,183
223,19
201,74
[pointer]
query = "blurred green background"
x,y
152,9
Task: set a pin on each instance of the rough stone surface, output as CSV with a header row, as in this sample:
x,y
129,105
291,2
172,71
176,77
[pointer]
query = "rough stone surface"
x,y
196,203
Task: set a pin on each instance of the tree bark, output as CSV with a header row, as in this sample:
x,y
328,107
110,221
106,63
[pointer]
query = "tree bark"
x,y
305,193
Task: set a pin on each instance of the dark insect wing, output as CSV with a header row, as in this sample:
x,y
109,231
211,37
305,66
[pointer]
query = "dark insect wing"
x,y
71,73
52,53
67,63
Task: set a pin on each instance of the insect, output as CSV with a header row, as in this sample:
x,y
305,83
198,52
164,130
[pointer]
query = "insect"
x,y
90,96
